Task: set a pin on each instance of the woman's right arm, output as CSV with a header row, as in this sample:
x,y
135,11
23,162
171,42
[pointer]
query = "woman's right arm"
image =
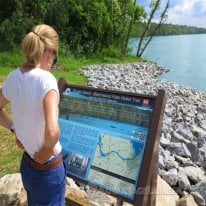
x,y
51,136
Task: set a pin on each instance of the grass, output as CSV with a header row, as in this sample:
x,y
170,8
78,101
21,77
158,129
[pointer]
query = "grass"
x,y
10,154
72,77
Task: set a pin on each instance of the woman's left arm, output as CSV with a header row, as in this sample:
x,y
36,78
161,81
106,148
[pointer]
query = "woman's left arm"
x,y
5,121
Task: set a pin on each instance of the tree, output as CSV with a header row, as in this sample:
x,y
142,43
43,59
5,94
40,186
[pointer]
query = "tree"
x,y
14,25
136,14
85,27
155,6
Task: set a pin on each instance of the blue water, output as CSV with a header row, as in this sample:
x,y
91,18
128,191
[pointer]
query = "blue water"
x,y
183,55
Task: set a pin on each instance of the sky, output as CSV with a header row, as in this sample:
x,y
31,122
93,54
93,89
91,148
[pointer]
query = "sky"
x,y
184,12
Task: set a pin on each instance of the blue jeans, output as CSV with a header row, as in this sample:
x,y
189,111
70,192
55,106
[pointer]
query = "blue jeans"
x,y
44,188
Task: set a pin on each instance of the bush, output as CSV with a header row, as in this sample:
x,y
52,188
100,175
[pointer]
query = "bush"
x,y
11,59
112,52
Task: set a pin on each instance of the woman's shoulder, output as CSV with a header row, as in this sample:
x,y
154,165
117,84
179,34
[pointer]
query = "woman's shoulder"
x,y
13,73
45,77
42,73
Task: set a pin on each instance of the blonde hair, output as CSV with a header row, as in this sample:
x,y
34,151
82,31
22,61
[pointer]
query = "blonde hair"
x,y
42,37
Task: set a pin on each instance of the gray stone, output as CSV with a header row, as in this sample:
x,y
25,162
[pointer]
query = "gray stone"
x,y
179,149
195,174
185,132
201,189
184,161
198,198
186,201
198,131
183,181
11,186
171,163
161,162
170,177
201,142
176,137
194,151
184,121
164,142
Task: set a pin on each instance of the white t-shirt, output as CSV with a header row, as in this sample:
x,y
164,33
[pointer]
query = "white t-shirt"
x,y
26,91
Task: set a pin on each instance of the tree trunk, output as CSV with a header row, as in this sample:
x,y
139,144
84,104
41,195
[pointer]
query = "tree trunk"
x,y
163,15
129,29
142,47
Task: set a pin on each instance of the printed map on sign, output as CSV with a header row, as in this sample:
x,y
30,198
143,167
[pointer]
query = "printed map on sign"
x,y
118,155
116,164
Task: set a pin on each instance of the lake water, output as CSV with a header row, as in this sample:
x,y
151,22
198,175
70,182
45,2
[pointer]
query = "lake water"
x,y
183,55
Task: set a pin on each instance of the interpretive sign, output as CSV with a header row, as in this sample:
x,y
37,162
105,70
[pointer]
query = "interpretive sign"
x,y
110,139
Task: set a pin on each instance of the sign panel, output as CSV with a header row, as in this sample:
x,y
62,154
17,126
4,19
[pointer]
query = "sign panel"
x,y
104,135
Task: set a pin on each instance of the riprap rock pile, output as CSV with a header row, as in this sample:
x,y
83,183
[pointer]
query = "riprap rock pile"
x,y
182,156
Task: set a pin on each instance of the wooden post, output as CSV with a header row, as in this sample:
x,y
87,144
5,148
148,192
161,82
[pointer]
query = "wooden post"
x,y
153,189
119,202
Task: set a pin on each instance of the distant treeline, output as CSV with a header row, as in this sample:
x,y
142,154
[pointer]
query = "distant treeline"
x,y
169,29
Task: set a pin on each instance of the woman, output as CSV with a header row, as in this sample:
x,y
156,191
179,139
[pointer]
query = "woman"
x,y
33,93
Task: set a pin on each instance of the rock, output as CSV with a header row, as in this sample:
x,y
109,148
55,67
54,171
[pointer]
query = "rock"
x,y
184,161
76,195
4,200
198,198
164,142
179,149
194,174
171,163
170,177
70,182
194,151
186,201
183,181
161,162
198,131
166,196
200,188
183,134
11,190
101,198
176,137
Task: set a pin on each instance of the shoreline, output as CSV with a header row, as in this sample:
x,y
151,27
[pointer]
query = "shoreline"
x,y
182,150
145,67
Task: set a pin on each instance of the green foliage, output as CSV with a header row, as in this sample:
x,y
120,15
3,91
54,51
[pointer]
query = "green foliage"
x,y
89,22
87,27
13,28
112,52
72,77
168,29
11,59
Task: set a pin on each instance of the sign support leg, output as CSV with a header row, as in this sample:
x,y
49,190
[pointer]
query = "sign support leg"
x,y
153,190
119,202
